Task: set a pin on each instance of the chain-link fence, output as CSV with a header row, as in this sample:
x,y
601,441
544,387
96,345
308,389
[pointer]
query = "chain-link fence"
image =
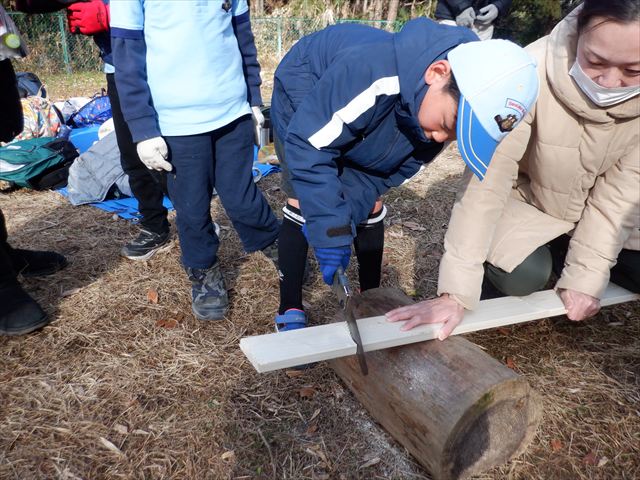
x,y
54,50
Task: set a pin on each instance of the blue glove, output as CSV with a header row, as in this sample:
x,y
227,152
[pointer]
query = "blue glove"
x,y
329,259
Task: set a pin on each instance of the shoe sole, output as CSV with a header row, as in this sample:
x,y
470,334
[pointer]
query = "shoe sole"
x,y
208,318
24,331
43,273
148,255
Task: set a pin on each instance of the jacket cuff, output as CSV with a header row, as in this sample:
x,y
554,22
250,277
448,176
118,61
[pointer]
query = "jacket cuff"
x,y
144,128
583,281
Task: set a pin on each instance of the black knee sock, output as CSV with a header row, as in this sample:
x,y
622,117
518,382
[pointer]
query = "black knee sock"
x,y
369,244
292,255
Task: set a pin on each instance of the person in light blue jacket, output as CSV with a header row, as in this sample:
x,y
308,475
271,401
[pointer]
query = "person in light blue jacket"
x,y
356,111
188,76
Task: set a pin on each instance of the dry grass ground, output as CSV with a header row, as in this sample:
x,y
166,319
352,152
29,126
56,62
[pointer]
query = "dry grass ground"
x,y
122,386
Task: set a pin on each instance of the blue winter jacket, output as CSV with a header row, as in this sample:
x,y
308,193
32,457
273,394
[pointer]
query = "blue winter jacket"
x,y
345,105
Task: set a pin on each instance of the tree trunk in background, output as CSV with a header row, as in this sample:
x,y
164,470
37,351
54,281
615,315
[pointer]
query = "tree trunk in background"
x,y
392,14
258,7
377,9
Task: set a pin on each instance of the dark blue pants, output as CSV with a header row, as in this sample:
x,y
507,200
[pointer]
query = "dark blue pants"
x,y
221,159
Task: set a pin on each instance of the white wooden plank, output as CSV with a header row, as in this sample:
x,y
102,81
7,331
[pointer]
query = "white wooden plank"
x,y
297,347
287,349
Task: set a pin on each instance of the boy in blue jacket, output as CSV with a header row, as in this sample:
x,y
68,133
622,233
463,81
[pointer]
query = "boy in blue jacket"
x,y
187,73
356,111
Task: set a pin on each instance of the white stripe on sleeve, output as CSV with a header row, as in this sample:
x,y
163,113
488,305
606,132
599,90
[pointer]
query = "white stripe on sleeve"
x,y
356,107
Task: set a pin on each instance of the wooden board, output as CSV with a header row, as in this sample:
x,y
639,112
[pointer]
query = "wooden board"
x,y
297,347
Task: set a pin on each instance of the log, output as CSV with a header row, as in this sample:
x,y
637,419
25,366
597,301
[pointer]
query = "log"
x,y
457,410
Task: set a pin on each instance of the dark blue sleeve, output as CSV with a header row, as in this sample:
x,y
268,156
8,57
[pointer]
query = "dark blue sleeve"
x,y
458,6
327,121
129,60
503,6
249,52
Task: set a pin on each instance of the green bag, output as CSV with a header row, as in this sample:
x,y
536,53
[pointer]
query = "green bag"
x,y
38,163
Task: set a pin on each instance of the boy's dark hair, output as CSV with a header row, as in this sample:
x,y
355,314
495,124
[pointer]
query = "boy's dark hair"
x,y
623,11
452,88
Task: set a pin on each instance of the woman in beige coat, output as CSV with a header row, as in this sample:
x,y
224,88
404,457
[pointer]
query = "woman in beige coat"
x,y
572,167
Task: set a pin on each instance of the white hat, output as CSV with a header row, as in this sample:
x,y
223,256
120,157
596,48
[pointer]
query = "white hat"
x,y
498,83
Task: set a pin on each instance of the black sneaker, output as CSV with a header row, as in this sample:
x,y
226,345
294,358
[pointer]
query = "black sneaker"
x,y
19,313
145,245
35,263
209,299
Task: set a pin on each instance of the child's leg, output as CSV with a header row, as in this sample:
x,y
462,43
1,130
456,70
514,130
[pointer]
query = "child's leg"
x,y
250,213
292,255
369,245
190,187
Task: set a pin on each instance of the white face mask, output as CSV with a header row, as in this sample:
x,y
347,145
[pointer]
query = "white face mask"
x,y
601,96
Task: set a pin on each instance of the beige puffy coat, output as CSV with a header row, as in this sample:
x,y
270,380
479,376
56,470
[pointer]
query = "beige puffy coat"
x,y
569,167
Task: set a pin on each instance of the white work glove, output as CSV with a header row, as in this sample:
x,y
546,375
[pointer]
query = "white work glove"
x,y
153,153
466,18
486,15
258,122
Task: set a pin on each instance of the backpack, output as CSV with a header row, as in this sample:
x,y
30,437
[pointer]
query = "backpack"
x,y
41,118
30,85
38,163
95,112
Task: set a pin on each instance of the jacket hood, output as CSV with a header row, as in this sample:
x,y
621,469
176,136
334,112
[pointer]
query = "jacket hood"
x,y
420,43
561,53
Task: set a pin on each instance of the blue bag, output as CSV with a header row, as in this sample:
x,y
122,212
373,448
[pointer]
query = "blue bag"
x,y
95,112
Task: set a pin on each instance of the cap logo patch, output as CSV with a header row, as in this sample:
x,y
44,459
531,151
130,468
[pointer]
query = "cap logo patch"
x,y
515,105
506,124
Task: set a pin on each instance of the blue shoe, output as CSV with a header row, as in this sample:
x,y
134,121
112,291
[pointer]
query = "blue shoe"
x,y
292,319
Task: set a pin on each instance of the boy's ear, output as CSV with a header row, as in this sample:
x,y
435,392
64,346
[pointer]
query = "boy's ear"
x,y
437,71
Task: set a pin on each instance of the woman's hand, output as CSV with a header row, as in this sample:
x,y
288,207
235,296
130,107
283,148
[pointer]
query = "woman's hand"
x,y
579,305
443,309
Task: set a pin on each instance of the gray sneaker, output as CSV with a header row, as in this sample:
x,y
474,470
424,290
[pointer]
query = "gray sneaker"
x,y
209,300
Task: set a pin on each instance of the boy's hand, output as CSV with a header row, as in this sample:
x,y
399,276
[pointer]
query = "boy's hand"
x,y
153,152
487,14
329,259
88,18
580,306
443,309
466,18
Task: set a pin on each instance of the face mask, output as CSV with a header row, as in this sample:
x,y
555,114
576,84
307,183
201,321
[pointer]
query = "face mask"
x,y
601,96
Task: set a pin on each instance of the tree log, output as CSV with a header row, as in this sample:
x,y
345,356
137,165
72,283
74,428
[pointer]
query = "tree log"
x,y
457,410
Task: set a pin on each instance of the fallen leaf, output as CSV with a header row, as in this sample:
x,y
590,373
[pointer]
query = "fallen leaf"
x,y
556,444
307,392
313,428
110,446
137,431
510,363
169,323
315,414
121,429
504,331
370,463
590,459
603,461
416,227
152,295
228,455
293,373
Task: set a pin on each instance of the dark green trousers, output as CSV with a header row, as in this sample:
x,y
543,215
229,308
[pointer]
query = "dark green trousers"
x,y
535,271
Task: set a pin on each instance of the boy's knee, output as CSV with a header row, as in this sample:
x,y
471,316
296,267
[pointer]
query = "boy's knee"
x,y
528,277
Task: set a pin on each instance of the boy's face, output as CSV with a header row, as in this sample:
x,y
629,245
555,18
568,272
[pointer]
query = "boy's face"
x,y
438,111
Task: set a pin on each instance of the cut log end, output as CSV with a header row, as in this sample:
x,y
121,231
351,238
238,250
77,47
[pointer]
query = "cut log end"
x,y
497,428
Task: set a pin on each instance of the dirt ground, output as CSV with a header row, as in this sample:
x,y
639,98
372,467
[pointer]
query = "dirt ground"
x,y
124,384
